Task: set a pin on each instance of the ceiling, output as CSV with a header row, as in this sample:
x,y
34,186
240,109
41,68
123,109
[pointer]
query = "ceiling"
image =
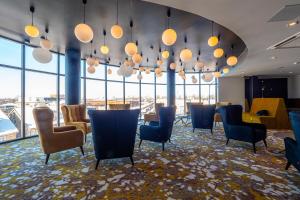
x,y
250,21
149,22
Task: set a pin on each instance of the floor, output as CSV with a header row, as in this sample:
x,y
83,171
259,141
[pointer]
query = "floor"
x,y
194,166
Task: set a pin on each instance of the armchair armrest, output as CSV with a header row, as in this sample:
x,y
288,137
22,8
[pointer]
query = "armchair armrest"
x,y
86,120
80,125
239,132
149,132
64,128
71,137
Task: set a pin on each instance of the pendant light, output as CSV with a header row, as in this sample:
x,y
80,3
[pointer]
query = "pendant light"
x,y
116,30
169,36
137,58
104,48
82,31
218,52
147,71
42,55
173,66
44,42
232,60
165,54
199,65
109,71
131,47
31,30
186,54
207,77
213,40
217,74
225,70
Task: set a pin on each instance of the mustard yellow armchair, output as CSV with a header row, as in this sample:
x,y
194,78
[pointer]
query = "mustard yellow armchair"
x,y
277,118
75,115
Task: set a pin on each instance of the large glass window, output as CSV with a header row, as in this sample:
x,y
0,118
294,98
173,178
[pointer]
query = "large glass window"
x,y
95,94
40,90
132,95
179,99
147,98
114,93
10,53
10,104
161,94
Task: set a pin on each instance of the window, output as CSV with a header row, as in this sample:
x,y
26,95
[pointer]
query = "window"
x,y
192,93
132,95
147,98
40,90
179,91
10,53
161,94
114,93
95,94
99,73
148,78
10,104
205,94
162,79
114,76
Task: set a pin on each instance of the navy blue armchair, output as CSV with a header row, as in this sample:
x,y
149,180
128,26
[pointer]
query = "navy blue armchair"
x,y
203,116
113,133
159,131
292,147
236,129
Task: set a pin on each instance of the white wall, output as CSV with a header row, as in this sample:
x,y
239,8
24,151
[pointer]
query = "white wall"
x,y
294,87
232,89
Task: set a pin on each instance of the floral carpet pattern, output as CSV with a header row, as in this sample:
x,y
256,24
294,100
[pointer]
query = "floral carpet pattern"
x,y
193,166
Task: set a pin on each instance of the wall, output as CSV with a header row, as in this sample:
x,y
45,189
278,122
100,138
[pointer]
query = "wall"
x,y
232,89
294,87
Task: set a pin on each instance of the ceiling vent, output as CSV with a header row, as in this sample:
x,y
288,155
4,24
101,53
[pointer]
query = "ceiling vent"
x,y
292,42
289,12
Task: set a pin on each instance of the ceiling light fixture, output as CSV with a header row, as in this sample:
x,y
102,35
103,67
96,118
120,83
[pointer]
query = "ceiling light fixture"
x,y
292,23
218,52
44,42
199,65
137,58
169,36
232,60
31,30
116,30
104,48
82,31
131,47
213,40
186,54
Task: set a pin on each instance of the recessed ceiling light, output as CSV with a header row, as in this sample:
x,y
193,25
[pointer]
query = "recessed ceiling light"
x,y
273,57
292,23
290,72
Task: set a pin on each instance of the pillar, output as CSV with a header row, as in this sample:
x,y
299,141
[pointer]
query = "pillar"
x,y
72,73
170,84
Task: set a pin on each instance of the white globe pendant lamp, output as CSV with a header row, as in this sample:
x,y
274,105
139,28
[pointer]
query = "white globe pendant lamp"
x,y
207,77
159,62
31,30
42,55
147,71
218,53
116,30
137,58
44,42
173,66
90,61
169,36
91,69
131,47
109,71
83,32
213,40
225,70
232,60
165,54
217,74
157,70
104,49
186,54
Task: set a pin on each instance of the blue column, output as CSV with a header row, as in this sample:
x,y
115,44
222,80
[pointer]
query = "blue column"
x,y
72,80
170,84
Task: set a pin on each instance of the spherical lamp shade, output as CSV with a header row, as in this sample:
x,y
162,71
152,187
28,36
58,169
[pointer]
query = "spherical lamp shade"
x,y
97,62
116,31
213,41
169,37
194,80
165,54
159,75
141,69
126,63
131,63
90,61
91,69
225,70
46,44
157,70
199,65
217,74
147,71
131,49
159,62
139,77
137,58
109,71
218,53
186,55
232,60
84,33
181,73
104,49
173,66
42,55
207,77
32,31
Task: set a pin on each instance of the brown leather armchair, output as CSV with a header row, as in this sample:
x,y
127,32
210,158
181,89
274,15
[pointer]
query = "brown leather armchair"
x,y
55,139
153,117
75,115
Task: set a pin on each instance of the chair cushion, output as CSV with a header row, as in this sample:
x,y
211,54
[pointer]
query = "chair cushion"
x,y
74,113
262,113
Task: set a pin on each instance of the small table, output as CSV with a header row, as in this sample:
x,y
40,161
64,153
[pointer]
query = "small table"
x,y
184,119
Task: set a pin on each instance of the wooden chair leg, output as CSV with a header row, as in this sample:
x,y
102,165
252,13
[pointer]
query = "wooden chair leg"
x,y
288,164
131,159
163,146
140,143
97,163
47,158
81,148
254,148
227,141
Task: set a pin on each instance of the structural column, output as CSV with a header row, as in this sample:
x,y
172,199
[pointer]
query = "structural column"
x,y
72,84
170,84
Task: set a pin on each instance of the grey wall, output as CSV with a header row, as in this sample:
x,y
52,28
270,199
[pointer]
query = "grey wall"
x,y
232,89
294,87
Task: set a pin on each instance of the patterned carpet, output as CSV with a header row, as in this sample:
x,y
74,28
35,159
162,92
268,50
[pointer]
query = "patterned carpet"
x,y
194,166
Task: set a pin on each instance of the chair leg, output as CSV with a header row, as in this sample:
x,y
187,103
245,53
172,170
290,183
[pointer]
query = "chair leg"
x,y
254,148
131,159
140,143
227,141
288,164
81,148
170,140
211,131
47,158
97,163
193,130
265,142
85,136
163,146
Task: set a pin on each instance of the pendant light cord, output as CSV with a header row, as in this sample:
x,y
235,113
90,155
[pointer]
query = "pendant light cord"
x,y
212,28
117,11
84,3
